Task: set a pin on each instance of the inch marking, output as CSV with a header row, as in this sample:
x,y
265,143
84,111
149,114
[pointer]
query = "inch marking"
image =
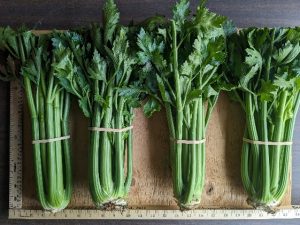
x,y
15,145
207,214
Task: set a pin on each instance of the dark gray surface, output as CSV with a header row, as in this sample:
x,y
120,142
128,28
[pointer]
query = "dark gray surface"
x,y
63,14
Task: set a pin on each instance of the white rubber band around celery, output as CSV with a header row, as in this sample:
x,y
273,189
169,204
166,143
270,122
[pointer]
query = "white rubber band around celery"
x,y
275,143
44,141
188,142
112,130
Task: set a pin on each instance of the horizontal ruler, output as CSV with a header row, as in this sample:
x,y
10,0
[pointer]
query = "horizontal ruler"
x,y
204,214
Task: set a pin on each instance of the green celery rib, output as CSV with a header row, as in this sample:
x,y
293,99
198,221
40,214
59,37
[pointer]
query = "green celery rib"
x,y
185,148
51,154
94,178
172,135
245,170
95,185
119,153
252,132
42,130
58,151
202,124
65,103
185,156
177,176
265,195
106,152
278,135
50,146
129,162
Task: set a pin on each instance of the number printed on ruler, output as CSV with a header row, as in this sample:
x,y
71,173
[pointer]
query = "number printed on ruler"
x,y
15,145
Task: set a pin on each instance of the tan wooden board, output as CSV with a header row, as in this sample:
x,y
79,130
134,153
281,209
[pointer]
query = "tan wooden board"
x,y
151,185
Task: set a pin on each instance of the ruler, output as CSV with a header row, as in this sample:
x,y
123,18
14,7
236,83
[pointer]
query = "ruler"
x,y
16,211
15,145
202,214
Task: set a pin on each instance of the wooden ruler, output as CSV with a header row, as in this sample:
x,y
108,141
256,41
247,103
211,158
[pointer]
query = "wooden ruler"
x,y
16,211
15,145
204,214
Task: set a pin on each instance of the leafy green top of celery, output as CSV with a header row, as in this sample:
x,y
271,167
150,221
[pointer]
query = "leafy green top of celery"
x,y
27,55
265,63
14,45
191,47
99,53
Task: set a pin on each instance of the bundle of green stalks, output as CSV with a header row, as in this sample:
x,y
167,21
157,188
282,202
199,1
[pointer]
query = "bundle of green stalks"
x,y
264,68
180,64
29,59
95,65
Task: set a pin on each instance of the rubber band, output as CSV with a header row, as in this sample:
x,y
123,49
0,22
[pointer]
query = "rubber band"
x,y
112,130
274,143
50,140
189,142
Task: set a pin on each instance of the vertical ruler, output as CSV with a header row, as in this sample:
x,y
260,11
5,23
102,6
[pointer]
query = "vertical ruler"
x,y
15,145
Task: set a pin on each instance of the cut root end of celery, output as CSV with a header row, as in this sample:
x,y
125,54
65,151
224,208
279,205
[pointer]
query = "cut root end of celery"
x,y
270,207
189,206
118,204
56,210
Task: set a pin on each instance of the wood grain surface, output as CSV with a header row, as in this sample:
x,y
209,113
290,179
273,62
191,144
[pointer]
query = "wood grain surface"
x,y
63,14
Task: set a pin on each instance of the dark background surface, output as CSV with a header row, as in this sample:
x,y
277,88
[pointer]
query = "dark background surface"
x,y
64,14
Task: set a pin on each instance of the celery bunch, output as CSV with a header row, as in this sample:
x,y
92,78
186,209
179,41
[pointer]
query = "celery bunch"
x,y
95,65
180,65
264,69
29,58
